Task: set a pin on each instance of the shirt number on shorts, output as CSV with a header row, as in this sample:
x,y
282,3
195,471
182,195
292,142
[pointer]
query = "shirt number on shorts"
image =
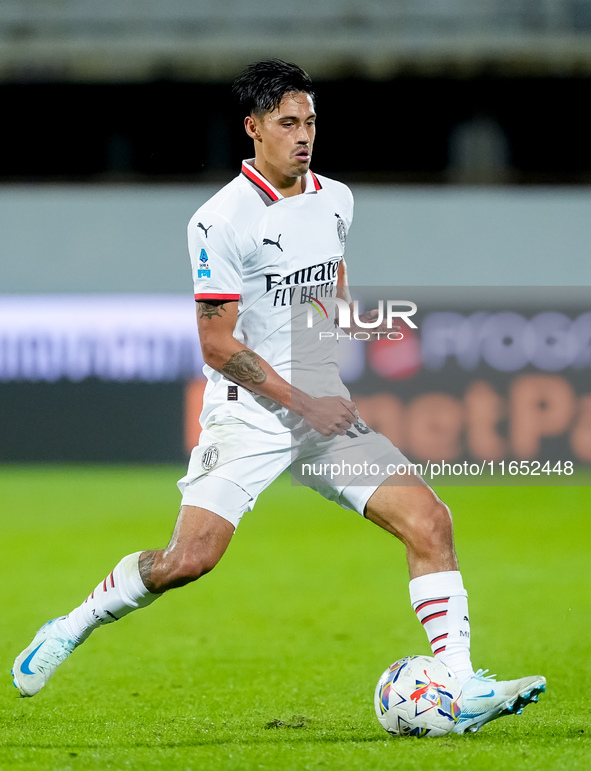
x,y
361,429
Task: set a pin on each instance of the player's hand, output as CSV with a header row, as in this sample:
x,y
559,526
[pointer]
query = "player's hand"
x,y
330,414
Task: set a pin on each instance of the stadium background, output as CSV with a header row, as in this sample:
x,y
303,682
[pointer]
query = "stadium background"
x,y
462,129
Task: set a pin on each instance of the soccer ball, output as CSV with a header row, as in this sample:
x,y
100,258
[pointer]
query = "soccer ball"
x,y
418,696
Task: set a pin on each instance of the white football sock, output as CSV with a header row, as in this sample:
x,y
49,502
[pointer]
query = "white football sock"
x,y
122,592
441,604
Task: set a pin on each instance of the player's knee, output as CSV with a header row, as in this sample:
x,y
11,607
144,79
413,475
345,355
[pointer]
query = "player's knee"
x,y
432,528
429,528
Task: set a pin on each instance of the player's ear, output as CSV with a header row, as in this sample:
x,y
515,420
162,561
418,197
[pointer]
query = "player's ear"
x,y
251,124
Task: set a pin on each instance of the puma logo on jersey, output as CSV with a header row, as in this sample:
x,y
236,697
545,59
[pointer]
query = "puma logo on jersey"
x,y
203,228
267,241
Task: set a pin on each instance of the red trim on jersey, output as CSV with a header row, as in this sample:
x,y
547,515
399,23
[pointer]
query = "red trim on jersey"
x,y
258,181
317,184
212,296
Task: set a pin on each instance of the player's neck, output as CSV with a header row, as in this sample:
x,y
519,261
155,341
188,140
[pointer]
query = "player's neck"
x,y
287,186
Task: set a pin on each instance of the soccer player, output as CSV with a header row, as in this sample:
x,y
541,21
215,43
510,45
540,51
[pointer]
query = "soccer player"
x,y
262,249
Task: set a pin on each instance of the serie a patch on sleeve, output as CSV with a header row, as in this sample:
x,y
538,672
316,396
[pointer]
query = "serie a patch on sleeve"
x,y
233,393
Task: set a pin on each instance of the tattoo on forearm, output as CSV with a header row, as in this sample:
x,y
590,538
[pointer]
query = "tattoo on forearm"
x,y
244,366
145,565
209,310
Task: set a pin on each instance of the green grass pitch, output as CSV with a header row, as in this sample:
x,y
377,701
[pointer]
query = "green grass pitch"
x,y
270,661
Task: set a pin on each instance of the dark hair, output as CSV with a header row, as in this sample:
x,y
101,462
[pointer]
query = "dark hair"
x,y
262,85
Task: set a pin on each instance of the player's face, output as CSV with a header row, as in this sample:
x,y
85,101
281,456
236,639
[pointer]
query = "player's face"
x,y
284,139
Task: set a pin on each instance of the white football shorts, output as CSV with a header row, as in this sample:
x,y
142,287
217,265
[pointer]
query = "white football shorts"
x,y
234,462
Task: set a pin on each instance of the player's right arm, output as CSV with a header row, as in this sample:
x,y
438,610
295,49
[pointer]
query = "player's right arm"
x,y
216,320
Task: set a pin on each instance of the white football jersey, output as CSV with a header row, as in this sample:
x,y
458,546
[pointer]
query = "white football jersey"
x,y
272,255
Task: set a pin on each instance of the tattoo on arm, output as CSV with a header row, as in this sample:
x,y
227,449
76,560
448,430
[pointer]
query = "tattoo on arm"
x,y
244,367
209,310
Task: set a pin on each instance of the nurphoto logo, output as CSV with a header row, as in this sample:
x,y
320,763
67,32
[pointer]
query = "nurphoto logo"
x,y
381,326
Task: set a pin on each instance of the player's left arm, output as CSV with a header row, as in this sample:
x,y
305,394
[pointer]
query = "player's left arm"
x,y
343,283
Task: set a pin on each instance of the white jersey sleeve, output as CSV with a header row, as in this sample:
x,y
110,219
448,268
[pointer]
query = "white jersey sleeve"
x,y
215,257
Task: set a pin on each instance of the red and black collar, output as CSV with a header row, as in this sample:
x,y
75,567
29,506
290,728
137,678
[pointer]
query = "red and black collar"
x,y
266,190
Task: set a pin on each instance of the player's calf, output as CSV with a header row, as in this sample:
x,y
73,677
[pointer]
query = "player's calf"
x,y
199,541
172,572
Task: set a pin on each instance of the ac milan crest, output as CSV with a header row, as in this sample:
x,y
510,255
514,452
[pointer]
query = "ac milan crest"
x,y
210,457
341,230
